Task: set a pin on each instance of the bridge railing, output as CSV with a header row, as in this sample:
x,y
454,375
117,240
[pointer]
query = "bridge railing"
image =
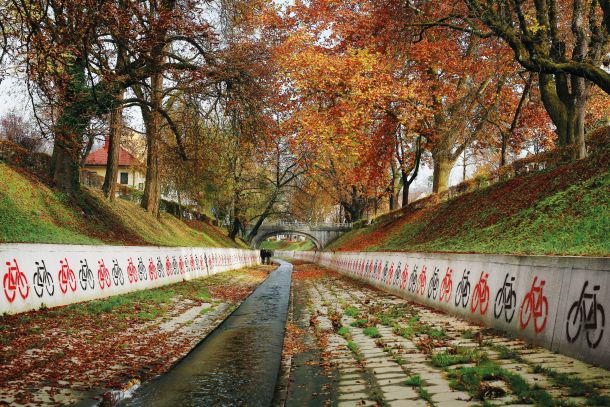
x,y
310,225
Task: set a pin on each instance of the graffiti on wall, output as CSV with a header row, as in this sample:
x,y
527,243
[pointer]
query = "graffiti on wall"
x,y
575,319
52,279
586,315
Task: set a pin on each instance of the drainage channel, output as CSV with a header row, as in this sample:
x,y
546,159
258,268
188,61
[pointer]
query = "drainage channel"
x,y
235,365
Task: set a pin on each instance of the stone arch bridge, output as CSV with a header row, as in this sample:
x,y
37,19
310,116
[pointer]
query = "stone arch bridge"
x,y
320,234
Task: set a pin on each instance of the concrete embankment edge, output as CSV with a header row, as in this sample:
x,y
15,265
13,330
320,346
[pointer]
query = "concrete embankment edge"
x,y
45,275
553,301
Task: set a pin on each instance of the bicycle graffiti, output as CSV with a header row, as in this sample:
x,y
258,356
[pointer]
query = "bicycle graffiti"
x,y
404,277
413,281
103,275
85,275
433,285
152,269
534,304
462,292
421,282
141,270
15,280
160,268
397,275
384,274
117,273
591,319
446,286
66,277
43,280
132,273
480,296
390,278
506,300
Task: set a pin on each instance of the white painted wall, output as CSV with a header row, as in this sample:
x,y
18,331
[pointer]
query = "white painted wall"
x,y
556,284
114,270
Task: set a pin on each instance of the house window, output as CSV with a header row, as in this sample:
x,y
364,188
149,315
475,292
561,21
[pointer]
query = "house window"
x,y
124,178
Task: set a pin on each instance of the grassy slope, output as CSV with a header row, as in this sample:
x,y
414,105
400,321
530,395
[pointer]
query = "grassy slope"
x,y
284,245
30,211
565,210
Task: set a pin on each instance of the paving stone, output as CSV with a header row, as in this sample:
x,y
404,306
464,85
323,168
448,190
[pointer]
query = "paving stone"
x,y
455,403
407,403
357,403
439,388
354,388
449,396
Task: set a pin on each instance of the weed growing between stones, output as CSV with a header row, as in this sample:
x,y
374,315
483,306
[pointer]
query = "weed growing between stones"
x,y
476,381
455,356
351,312
372,332
576,387
413,381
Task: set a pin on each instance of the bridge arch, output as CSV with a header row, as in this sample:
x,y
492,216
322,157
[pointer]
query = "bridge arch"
x,y
261,237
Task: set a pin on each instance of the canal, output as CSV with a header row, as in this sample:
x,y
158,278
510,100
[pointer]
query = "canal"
x,y
238,363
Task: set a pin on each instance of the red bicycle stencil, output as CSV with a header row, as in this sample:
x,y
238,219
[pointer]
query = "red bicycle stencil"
x,y
66,277
421,282
534,304
152,269
103,275
168,266
480,296
132,273
446,286
15,279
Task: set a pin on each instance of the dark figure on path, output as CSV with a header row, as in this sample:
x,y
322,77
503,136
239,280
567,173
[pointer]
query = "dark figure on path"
x,y
263,253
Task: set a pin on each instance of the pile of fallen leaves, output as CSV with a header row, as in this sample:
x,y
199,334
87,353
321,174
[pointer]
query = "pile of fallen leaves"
x,y
299,262
293,342
233,294
308,272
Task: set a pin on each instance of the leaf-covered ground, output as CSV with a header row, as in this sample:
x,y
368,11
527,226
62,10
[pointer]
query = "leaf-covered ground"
x,y
32,212
562,211
359,346
61,355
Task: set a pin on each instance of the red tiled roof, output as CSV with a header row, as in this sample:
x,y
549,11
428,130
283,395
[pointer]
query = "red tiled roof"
x,y
100,157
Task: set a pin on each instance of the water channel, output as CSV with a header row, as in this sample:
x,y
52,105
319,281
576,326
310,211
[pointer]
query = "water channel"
x,y
238,363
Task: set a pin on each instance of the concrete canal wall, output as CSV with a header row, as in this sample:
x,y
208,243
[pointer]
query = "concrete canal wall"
x,y
44,275
556,302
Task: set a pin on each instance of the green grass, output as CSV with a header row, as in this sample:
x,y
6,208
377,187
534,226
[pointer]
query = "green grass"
x,y
351,311
285,245
344,331
575,386
32,212
372,331
565,210
413,381
471,379
359,323
460,356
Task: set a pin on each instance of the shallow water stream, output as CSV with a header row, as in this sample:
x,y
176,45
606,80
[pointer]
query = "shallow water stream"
x,y
235,365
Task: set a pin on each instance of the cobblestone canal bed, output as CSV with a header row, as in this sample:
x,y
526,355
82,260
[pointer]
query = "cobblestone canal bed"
x,y
376,349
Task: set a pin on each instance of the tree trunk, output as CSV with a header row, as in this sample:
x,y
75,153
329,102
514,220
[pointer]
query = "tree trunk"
x,y
566,107
152,189
69,130
405,189
114,147
442,169
263,216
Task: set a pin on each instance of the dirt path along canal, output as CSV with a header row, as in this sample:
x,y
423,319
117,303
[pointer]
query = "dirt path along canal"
x,y
238,363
